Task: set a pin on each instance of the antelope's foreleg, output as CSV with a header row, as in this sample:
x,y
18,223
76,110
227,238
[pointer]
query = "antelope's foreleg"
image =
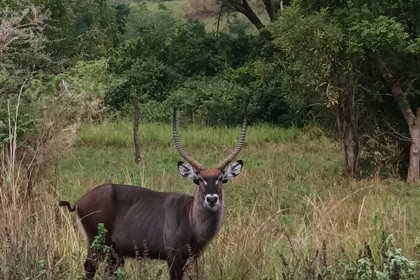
x,y
90,264
176,263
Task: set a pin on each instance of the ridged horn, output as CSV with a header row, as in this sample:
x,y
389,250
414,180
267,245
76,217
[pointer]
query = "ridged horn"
x,y
235,151
197,166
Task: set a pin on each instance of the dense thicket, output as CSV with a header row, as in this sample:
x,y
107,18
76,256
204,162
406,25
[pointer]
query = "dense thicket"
x,y
362,60
350,67
168,61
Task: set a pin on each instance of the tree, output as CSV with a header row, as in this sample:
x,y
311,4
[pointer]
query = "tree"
x,y
244,8
311,49
21,53
272,8
392,32
412,119
331,52
161,52
78,30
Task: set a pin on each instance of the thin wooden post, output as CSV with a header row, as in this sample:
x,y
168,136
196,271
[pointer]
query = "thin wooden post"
x,y
137,157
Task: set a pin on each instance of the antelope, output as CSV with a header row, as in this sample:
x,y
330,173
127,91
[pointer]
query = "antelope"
x,y
169,226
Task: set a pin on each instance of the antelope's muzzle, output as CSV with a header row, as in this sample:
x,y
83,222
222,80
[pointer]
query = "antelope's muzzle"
x,y
211,200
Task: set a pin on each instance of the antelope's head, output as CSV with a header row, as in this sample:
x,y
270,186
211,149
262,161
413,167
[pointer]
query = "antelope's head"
x,y
210,181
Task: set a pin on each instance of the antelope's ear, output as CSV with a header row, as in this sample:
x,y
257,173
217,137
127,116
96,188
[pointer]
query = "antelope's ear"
x,y
233,170
186,170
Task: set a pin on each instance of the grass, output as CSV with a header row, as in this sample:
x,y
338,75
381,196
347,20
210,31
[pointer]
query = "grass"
x,y
289,215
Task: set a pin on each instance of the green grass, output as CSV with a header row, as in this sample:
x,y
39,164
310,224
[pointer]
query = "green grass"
x,y
288,203
104,153
289,199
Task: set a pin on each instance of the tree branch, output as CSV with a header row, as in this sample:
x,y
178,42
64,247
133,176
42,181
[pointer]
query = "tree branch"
x,y
396,90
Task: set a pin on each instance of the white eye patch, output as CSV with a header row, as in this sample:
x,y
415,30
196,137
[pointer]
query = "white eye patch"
x,y
204,181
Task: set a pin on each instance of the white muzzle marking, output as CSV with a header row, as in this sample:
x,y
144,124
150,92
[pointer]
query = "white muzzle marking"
x,y
211,200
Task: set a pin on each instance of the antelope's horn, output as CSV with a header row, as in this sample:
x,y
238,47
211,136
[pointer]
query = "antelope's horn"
x,y
237,149
197,166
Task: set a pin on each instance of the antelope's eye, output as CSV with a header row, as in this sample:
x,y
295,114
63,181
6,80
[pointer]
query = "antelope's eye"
x,y
201,180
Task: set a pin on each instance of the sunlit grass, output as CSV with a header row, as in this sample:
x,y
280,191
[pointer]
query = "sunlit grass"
x,y
119,134
289,202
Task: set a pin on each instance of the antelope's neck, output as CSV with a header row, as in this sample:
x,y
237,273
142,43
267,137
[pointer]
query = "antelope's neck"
x,y
204,222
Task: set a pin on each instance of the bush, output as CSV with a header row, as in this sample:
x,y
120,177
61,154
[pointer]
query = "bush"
x,y
149,78
162,56
393,264
211,100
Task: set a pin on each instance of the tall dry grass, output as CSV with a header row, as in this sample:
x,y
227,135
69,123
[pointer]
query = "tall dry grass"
x,y
34,237
289,215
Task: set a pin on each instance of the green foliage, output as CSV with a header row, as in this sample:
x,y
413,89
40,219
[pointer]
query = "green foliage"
x,y
379,34
397,266
81,88
156,27
211,100
193,51
24,123
121,13
80,29
21,53
22,48
414,47
145,64
168,62
312,46
392,265
119,273
327,50
99,245
149,78
364,271
165,59
87,76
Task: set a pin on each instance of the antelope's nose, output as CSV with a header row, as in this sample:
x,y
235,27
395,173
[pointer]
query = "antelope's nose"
x,y
212,199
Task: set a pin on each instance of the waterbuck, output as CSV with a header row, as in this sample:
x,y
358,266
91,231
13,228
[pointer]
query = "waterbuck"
x,y
170,226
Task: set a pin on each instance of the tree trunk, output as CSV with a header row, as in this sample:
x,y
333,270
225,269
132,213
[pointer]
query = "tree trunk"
x,y
413,174
347,121
413,121
244,8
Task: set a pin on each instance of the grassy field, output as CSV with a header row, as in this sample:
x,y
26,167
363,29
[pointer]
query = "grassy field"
x,y
289,215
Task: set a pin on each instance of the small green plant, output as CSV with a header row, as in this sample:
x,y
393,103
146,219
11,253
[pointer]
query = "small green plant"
x,y
105,251
396,265
119,273
392,266
98,244
365,270
42,271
